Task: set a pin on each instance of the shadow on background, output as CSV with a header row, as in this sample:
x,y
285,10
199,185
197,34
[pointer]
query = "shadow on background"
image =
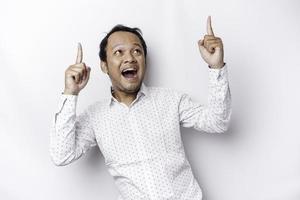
x,y
190,137
95,160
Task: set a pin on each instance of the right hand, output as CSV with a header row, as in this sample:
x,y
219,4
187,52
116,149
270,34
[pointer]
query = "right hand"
x,y
211,48
77,75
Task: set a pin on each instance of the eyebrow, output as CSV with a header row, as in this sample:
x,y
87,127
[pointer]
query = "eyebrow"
x,y
137,44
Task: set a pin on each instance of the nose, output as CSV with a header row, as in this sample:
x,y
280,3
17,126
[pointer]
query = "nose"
x,y
129,58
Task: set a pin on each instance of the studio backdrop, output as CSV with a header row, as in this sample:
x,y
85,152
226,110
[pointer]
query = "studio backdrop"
x,y
257,158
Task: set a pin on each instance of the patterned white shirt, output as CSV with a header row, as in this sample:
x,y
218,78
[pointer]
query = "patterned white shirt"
x,y
141,143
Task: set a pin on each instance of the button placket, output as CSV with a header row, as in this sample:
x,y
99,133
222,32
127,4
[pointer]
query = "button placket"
x,y
141,153
167,189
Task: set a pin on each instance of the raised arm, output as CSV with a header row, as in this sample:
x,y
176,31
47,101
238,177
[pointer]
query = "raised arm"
x,y
215,116
71,136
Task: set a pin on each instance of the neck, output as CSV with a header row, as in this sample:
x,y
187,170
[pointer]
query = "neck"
x,y
123,97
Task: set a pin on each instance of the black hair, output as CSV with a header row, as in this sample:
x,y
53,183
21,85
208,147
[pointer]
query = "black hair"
x,y
120,27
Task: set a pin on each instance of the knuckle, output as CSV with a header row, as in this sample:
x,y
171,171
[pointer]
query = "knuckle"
x,y
81,65
80,70
209,36
206,43
67,71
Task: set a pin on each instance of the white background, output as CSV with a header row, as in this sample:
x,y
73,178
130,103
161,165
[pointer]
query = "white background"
x,y
258,158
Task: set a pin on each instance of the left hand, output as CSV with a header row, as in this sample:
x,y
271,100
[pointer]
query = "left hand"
x,y
211,48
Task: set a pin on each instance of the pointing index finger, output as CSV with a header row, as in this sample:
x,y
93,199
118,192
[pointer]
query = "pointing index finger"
x,y
79,54
208,26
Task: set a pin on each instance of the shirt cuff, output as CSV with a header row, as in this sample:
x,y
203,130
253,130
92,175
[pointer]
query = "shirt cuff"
x,y
68,102
218,76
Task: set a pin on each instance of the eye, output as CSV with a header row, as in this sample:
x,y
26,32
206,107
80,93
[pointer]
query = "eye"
x,y
118,52
137,51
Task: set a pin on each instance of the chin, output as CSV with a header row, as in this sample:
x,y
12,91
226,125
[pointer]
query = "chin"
x,y
132,88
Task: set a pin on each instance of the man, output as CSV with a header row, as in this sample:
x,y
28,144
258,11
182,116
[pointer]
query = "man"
x,y
138,128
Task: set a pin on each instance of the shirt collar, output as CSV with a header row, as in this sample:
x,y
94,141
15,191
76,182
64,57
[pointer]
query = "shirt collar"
x,y
142,91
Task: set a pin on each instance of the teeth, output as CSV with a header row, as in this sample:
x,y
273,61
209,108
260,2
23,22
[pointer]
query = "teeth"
x,y
129,69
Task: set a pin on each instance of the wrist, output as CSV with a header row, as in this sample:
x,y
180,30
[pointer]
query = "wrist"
x,y
218,66
68,92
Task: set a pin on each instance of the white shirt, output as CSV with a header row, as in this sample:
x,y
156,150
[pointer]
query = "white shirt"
x,y
141,143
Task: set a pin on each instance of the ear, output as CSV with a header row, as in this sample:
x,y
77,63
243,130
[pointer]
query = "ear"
x,y
104,67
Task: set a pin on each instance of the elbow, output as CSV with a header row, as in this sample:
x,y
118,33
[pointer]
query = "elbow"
x,y
215,126
221,123
64,158
57,160
222,126
58,163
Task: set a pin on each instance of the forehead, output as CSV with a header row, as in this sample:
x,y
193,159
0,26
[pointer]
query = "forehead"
x,y
122,38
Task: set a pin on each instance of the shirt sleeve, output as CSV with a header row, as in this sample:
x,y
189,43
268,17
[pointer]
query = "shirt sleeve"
x,y
71,136
215,116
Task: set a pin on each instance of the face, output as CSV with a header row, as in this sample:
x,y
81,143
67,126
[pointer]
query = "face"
x,y
125,62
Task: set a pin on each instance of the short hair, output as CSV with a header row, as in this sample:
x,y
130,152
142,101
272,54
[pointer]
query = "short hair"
x,y
120,27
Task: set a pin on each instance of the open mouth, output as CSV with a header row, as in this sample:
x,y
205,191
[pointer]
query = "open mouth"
x,y
129,73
